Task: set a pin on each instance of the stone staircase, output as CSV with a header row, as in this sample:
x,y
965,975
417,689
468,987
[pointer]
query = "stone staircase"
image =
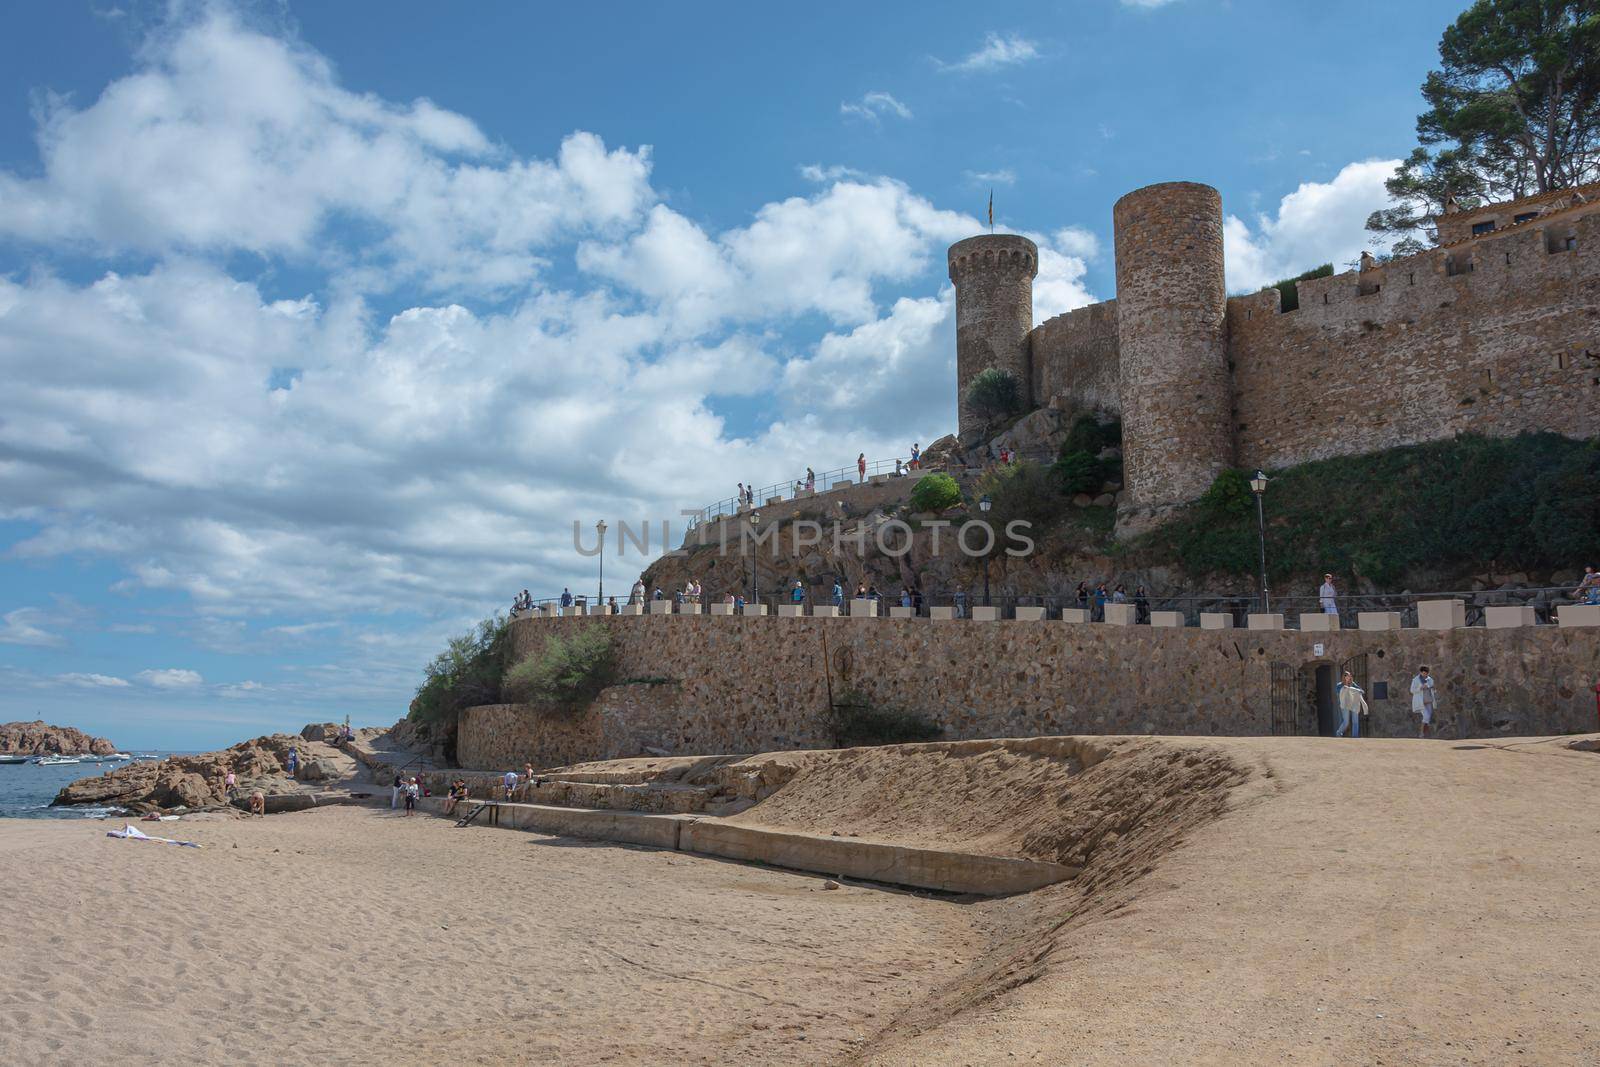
x,y
710,785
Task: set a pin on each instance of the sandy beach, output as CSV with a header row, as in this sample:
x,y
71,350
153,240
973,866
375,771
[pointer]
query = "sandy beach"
x,y
1320,903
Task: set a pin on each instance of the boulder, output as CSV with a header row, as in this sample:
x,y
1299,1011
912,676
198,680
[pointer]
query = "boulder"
x,y
39,738
1038,433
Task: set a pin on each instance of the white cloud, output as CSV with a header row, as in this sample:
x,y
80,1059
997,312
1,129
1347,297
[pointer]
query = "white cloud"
x,y
1148,5
816,172
26,626
171,678
240,690
873,106
1004,176
92,681
997,51
226,140
1077,241
1320,222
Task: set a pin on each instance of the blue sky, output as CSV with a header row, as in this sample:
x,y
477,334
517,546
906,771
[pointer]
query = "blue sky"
x,y
322,324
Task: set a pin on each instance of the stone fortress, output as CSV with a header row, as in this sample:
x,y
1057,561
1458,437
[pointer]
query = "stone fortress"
x,y
1494,331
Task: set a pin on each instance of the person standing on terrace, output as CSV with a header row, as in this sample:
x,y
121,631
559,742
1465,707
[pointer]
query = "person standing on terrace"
x,y
861,465
1329,596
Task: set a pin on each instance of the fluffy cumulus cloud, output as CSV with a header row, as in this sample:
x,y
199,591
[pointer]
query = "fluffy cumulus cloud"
x,y
1320,222
557,344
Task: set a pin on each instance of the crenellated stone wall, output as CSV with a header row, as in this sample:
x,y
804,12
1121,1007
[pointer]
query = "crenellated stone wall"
x,y
706,685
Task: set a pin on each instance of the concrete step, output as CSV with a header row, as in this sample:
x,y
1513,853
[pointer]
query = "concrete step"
x,y
840,857
666,798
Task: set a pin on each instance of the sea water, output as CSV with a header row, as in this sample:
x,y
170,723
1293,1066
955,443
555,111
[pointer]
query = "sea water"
x,y
26,789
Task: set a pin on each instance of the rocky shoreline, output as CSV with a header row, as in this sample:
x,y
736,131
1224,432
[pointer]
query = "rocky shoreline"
x,y
39,738
187,783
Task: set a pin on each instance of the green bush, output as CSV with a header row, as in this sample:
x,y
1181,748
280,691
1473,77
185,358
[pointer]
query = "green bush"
x,y
1290,290
993,394
468,672
935,492
1023,491
568,673
1079,472
1523,503
855,721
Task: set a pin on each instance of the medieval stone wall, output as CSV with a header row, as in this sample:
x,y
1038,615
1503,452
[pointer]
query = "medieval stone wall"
x,y
704,685
1497,336
993,276
1075,356
1172,342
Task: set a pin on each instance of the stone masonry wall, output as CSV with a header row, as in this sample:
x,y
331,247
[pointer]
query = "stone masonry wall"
x,y
1075,356
1497,336
993,275
735,684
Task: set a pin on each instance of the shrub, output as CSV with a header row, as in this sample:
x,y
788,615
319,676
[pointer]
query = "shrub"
x,y
1021,491
1089,435
1230,494
993,394
935,492
1290,290
568,673
855,721
1079,472
466,673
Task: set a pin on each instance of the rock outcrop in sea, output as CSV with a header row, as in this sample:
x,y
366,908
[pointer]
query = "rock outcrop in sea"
x,y
39,738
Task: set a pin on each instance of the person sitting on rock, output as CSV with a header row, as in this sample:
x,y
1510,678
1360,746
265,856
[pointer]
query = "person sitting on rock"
x,y
258,804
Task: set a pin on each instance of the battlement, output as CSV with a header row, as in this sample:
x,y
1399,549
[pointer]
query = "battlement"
x,y
993,253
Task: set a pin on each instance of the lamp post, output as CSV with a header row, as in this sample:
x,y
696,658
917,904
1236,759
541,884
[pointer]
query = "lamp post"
x,y
600,598
984,505
755,520
1258,486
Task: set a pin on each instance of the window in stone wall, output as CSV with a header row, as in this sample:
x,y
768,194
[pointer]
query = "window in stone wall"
x,y
1480,228
1526,216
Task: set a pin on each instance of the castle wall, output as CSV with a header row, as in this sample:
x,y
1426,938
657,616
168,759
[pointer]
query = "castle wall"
x,y
717,684
1497,336
1172,342
1075,356
993,275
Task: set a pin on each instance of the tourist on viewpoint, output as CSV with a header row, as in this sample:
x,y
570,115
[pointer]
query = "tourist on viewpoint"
x,y
798,594
1329,596
838,594
916,456
1352,705
1424,698
637,596
861,465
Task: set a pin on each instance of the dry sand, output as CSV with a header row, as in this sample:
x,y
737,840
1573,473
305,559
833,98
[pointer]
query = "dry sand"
x,y
1244,901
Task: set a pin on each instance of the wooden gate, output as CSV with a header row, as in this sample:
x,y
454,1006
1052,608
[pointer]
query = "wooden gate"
x,y
1285,699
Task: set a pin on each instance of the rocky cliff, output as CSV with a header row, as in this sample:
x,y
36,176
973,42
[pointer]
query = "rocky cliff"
x,y
39,738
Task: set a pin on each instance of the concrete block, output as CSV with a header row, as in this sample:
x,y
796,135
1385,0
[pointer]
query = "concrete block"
x,y
687,608
824,611
1441,614
1578,614
898,612
721,609
983,614
1319,622
1216,620
1506,617
1121,614
862,608
631,609
1259,621
791,611
878,479
1029,614
753,609
1074,614
1378,620
661,607
575,611
1172,619
773,501
944,612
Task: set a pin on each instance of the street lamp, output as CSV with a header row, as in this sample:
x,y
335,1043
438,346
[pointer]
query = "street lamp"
x,y
984,505
1258,486
755,520
600,599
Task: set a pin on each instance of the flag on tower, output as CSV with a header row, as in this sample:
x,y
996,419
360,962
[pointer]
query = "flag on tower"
x,y
991,210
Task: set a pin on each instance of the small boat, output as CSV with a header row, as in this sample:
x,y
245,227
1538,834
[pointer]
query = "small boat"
x,y
117,755
10,757
58,761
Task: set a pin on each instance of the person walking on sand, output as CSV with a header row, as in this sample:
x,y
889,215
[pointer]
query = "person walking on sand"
x,y
1352,705
411,798
1329,596
394,792
1424,698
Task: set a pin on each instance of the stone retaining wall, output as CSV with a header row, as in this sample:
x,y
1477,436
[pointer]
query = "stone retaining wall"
x,y
721,684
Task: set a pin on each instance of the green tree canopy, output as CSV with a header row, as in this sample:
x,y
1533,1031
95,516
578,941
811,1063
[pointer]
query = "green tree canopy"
x,y
993,394
1513,110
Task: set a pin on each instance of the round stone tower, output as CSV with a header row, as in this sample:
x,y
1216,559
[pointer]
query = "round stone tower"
x,y
993,276
1177,425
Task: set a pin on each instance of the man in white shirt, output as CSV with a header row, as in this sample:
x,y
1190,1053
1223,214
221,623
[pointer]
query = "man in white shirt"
x,y
1424,698
1329,595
